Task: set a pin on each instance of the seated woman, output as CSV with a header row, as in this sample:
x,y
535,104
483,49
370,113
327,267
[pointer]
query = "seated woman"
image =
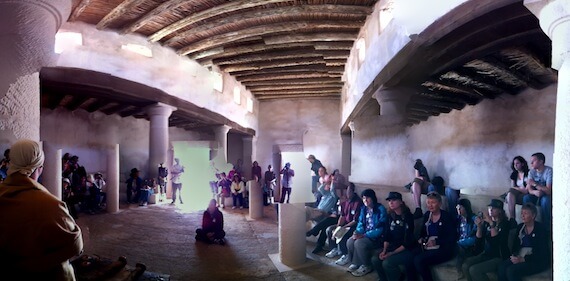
x,y
494,229
326,213
348,219
467,230
212,230
368,234
437,238
237,189
419,186
530,250
452,195
224,185
518,189
146,191
399,242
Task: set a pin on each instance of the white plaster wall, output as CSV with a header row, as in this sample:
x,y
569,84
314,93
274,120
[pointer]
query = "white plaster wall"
x,y
165,70
312,123
471,149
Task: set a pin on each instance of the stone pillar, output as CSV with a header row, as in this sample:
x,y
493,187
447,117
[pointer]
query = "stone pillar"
x,y
220,154
292,230
247,154
113,172
346,154
51,175
554,18
255,200
158,136
393,103
27,37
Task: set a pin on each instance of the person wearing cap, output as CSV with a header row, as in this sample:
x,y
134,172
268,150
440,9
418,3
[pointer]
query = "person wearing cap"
x,y
286,182
531,253
399,242
38,236
315,165
493,227
134,183
438,237
368,234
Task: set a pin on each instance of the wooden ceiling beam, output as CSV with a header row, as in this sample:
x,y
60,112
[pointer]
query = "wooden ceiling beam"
x,y
437,103
299,96
134,110
97,105
117,12
246,49
299,91
76,102
286,76
262,15
469,78
455,89
310,37
273,64
291,81
322,68
291,87
54,100
526,78
79,10
110,110
285,54
269,29
334,45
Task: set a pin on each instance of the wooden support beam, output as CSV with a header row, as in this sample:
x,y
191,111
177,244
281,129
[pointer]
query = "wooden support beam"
x,y
117,12
437,103
486,86
54,100
299,76
334,45
358,13
322,68
306,52
76,102
133,110
291,87
97,105
273,64
300,96
109,110
276,28
79,10
292,81
299,91
247,49
455,89
335,62
310,37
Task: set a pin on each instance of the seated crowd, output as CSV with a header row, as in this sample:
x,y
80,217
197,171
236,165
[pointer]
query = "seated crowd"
x,y
80,190
368,237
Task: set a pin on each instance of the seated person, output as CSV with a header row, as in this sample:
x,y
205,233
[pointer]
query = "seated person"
x,y
419,186
368,234
399,242
237,189
539,187
467,230
437,238
518,189
212,231
325,214
530,250
224,185
348,219
340,182
452,195
146,191
494,228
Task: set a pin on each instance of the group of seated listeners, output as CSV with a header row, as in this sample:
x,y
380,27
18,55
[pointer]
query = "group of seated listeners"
x,y
368,237
80,190
139,190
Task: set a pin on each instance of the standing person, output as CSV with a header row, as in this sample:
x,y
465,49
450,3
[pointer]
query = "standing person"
x,y
38,236
176,173
419,186
286,182
518,189
540,188
437,238
134,183
256,172
237,188
399,242
530,250
315,165
269,182
212,231
368,234
494,228
162,179
102,186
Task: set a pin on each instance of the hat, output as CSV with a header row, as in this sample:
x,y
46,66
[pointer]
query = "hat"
x,y
496,203
394,195
66,180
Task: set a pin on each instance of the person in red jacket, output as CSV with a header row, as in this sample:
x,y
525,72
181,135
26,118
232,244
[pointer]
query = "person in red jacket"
x,y
212,231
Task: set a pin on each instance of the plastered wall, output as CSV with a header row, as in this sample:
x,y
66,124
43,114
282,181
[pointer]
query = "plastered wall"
x,y
471,149
312,123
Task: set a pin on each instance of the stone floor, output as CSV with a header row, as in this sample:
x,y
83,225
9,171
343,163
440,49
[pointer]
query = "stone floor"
x,y
162,237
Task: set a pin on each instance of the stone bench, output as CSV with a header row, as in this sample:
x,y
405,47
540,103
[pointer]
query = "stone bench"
x,y
446,272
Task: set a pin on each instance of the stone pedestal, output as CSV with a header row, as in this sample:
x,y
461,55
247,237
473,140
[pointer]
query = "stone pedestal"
x,y
554,17
158,136
113,179
51,175
292,229
255,200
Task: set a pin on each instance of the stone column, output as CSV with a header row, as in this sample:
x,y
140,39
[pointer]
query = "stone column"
x,y
51,175
346,154
27,37
220,154
255,200
158,136
113,172
292,230
554,18
247,154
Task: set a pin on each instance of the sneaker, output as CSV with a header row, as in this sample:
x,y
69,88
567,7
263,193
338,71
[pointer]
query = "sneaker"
x,y
342,261
362,270
332,253
418,214
353,267
233,207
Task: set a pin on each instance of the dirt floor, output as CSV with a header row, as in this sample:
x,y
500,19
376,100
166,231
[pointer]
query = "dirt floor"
x,y
162,237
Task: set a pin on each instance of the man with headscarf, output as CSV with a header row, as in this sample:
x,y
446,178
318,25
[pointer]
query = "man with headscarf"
x,y
38,236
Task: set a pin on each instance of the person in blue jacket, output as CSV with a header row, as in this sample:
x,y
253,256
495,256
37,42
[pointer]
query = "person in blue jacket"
x,y
466,230
368,234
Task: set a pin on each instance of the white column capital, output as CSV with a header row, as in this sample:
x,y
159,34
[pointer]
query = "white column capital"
x,y
222,130
159,109
393,101
554,18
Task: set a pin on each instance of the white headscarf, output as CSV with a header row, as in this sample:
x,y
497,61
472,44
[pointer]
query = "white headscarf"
x,y
25,157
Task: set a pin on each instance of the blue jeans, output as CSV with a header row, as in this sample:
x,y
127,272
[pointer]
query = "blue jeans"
x,y
238,197
514,272
145,195
389,269
545,203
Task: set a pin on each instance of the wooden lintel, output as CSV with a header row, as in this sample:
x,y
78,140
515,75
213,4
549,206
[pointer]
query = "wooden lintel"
x,y
79,10
310,37
117,12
